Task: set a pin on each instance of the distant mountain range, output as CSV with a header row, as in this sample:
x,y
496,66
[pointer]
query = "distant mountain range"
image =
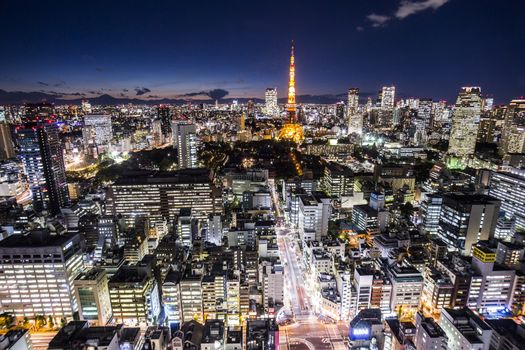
x,y
21,97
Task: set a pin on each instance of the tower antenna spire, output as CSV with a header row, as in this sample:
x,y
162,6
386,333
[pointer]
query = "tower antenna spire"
x,y
292,118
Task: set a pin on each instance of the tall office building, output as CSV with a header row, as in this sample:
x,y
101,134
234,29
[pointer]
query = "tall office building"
x,y
160,196
355,119
513,131
337,181
424,111
190,298
510,190
407,285
92,294
156,131
353,101
185,141
488,104
270,98
465,122
6,142
273,283
37,271
429,335
465,330
431,212
492,285
43,161
466,219
388,94
134,295
314,213
187,227
164,115
97,131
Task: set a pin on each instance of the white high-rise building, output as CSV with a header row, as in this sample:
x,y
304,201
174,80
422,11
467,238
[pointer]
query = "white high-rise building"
x,y
314,213
273,283
424,110
429,335
465,330
353,101
513,133
488,104
270,96
510,190
465,122
37,273
355,119
355,124
97,130
423,121
185,141
388,94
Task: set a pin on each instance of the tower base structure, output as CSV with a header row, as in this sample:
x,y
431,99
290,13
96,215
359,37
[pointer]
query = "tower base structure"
x,y
291,132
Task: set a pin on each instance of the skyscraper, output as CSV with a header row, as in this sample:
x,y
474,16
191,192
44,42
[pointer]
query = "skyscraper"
x,y
388,94
423,120
355,119
270,96
97,131
6,143
510,190
513,132
424,110
43,161
164,114
465,122
42,282
466,219
353,101
185,141
292,130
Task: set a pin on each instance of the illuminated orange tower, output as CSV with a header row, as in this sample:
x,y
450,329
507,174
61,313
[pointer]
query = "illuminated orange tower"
x,y
291,130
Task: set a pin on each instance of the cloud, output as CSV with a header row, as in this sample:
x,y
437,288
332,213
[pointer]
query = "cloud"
x,y
409,8
125,90
93,92
377,20
141,90
359,28
153,96
42,83
405,9
60,83
191,94
217,94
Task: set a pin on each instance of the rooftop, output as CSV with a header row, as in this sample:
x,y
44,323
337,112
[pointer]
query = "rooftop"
x,y
197,175
35,239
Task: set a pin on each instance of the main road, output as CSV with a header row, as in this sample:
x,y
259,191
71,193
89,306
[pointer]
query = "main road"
x,y
307,332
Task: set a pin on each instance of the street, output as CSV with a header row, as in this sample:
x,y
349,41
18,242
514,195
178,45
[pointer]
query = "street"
x,y
307,332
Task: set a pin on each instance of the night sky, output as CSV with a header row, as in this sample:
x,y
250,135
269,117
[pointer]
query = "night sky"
x,y
151,49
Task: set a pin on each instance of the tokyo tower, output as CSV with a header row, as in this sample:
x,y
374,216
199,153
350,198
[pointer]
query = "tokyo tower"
x,y
291,130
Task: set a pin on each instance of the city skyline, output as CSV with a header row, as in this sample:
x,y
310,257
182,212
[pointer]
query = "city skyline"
x,y
183,52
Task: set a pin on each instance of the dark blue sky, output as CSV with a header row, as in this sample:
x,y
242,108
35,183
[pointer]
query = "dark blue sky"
x,y
425,47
